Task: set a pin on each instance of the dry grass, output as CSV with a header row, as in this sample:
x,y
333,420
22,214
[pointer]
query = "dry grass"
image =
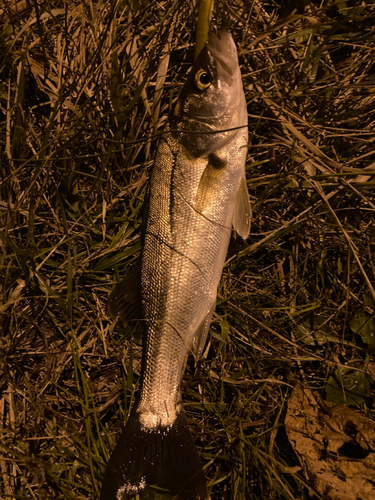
x,y
80,120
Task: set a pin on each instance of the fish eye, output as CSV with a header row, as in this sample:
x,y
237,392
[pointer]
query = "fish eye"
x,y
202,79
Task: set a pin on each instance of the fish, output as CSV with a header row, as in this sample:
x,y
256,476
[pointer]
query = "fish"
x,y
198,196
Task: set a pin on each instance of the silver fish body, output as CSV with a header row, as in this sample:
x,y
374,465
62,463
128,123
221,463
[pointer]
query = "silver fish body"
x,y
198,195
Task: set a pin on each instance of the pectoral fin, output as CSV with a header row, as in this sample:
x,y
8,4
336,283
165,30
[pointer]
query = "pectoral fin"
x,y
209,183
242,211
125,301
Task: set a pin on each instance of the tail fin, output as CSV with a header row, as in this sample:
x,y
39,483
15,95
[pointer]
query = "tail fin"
x,y
164,457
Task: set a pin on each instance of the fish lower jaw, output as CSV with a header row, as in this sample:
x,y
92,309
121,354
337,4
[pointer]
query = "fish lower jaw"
x,y
151,421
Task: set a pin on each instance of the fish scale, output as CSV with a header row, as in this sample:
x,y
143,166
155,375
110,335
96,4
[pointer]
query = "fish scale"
x,y
198,194
176,262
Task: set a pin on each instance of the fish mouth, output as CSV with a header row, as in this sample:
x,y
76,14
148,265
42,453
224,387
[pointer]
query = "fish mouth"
x,y
223,49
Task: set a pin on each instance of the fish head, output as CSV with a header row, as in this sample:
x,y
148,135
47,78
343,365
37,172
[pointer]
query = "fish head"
x,y
212,101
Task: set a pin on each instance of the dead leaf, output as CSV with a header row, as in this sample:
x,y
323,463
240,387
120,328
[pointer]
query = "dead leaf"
x,y
334,444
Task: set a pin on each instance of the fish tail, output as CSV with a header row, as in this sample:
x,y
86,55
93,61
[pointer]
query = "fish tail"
x,y
165,457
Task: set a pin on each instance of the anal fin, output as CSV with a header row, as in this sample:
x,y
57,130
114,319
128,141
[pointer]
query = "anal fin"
x,y
200,336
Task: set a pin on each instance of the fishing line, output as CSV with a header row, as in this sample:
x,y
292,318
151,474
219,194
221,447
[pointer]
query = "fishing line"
x,y
204,216
160,240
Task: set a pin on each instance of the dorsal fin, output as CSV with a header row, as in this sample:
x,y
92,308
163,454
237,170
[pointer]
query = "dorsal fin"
x,y
125,301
